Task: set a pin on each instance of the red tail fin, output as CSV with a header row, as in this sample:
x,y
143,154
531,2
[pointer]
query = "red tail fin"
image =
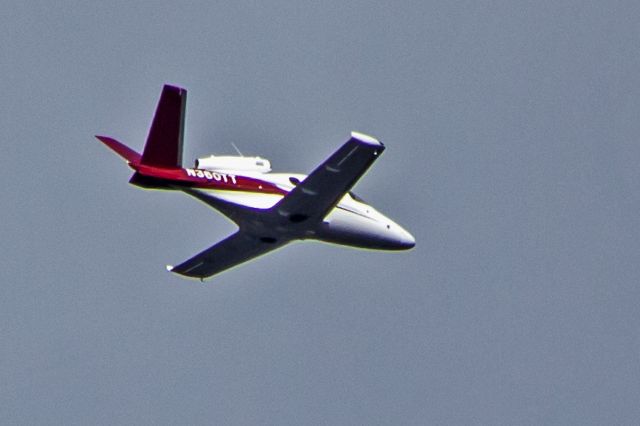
x,y
164,143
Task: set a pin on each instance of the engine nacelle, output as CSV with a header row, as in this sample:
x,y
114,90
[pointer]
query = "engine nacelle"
x,y
229,163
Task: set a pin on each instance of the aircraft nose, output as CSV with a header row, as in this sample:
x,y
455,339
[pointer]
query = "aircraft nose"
x,y
401,238
407,240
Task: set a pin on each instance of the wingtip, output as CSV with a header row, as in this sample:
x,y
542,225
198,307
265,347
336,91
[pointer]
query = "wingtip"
x,y
169,268
365,138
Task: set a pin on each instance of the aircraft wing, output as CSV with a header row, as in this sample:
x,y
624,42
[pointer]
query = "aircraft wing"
x,y
234,250
315,196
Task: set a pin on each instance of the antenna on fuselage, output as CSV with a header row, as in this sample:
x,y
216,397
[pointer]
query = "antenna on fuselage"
x,y
237,150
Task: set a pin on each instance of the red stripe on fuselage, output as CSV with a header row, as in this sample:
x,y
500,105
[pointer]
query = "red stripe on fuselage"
x,y
197,178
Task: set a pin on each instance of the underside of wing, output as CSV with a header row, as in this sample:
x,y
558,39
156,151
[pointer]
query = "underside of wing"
x,y
314,197
234,250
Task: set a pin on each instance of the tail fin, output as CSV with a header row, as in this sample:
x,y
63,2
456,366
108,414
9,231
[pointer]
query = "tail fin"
x,y
164,143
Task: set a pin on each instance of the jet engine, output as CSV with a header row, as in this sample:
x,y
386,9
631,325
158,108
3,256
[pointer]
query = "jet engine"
x,y
229,163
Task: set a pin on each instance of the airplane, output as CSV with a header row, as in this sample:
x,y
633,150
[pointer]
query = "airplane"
x,y
270,209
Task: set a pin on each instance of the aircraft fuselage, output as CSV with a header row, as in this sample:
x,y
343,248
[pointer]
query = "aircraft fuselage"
x,y
270,209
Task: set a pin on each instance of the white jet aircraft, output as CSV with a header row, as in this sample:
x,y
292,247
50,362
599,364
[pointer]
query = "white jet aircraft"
x,y
270,209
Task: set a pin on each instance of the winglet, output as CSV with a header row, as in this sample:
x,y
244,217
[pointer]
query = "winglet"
x,y
366,139
169,268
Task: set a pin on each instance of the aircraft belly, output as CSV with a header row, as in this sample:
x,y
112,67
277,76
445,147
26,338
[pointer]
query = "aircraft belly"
x,y
248,199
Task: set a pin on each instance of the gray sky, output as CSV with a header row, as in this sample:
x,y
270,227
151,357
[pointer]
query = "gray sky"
x,y
512,155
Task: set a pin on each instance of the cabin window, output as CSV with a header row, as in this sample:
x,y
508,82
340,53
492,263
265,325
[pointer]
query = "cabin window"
x,y
260,163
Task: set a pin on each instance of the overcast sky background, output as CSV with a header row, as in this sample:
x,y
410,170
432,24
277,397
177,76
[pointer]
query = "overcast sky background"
x,y
512,131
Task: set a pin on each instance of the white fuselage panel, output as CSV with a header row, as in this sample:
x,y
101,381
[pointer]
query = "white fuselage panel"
x,y
352,222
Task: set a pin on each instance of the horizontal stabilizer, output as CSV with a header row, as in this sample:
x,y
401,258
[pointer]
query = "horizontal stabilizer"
x,y
124,151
